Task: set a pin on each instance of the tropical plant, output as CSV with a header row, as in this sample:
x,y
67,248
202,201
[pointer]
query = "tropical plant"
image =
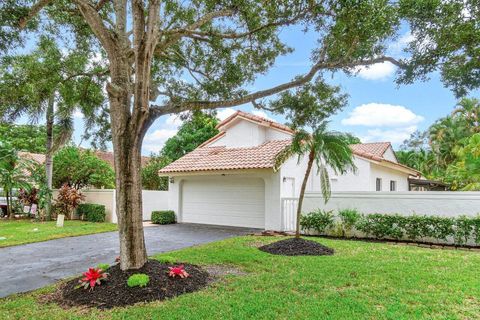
x,y
68,199
93,277
14,173
307,108
178,271
464,174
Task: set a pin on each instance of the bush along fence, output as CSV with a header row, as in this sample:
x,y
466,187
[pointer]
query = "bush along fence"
x,y
460,231
163,217
91,212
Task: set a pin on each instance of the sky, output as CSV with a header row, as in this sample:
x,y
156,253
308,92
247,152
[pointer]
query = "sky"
x,y
378,109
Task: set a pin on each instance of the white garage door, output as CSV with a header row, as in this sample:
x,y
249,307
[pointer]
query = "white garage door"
x,y
228,201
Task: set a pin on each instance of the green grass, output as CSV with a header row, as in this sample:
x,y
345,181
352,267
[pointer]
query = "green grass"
x,y
26,231
361,281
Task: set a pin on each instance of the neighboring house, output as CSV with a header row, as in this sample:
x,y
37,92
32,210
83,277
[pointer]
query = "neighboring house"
x,y
229,179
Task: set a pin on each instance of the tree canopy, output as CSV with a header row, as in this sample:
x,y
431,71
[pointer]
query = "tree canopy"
x,y
195,129
81,168
24,137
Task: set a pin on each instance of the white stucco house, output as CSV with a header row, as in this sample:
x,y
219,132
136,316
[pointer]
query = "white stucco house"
x,y
229,179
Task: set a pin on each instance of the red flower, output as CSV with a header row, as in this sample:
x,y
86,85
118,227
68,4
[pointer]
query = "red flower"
x,y
178,271
93,277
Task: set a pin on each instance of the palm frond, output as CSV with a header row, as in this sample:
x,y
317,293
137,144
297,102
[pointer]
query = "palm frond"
x,y
325,183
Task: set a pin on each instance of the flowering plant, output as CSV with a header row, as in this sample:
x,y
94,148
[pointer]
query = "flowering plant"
x,y
93,277
178,271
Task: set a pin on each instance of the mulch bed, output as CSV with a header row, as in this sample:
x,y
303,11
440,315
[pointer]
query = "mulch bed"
x,y
297,247
114,292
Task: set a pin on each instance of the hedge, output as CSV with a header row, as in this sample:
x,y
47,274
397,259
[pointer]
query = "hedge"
x,y
163,217
394,226
91,212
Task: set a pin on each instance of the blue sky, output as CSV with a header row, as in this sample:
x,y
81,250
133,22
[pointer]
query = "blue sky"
x,y
377,110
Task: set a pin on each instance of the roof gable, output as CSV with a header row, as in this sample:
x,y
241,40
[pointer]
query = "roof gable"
x,y
253,118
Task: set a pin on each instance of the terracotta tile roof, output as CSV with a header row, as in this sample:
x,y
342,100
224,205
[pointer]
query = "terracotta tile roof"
x,y
38,157
257,119
108,157
375,151
222,158
370,150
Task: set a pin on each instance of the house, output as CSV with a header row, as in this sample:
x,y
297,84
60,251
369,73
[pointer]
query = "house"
x,y
229,179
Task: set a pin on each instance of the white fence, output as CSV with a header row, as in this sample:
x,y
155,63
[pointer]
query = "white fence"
x,y
440,203
152,200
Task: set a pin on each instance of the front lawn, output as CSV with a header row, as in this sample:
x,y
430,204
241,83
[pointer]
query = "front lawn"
x,y
26,231
361,281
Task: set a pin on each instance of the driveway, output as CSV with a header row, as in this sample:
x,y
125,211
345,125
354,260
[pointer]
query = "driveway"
x,y
32,266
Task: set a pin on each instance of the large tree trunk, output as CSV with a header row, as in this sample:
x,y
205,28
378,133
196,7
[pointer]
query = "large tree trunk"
x,y
49,158
127,143
311,158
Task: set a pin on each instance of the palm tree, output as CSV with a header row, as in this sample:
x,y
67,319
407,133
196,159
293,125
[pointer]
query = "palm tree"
x,y
324,149
34,84
14,173
469,109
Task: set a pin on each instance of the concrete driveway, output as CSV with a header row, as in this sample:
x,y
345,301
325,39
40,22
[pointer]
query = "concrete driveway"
x,y
32,266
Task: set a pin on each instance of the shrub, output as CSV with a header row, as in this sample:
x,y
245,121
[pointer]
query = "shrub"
x,y
163,217
382,226
92,212
348,220
103,266
463,229
68,199
318,220
93,277
167,259
138,280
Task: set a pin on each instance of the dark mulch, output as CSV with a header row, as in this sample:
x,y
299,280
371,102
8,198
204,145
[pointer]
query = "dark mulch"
x,y
114,292
297,247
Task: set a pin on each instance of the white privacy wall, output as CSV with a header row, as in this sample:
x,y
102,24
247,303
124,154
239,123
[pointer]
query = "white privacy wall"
x,y
439,203
152,201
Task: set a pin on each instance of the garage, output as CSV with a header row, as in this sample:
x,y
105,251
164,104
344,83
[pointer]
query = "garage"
x,y
229,201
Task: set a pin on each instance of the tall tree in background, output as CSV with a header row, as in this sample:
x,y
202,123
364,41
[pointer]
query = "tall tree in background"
x,y
203,55
196,128
34,84
307,109
81,168
150,178
24,137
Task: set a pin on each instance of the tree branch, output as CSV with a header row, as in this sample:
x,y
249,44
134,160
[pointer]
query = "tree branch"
x,y
176,34
34,10
95,22
181,105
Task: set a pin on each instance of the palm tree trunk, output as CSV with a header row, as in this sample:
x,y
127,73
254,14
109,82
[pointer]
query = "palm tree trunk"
x,y
311,158
9,204
48,158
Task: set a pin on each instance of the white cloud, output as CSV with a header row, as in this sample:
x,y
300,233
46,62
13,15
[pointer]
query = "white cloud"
x,y
263,114
382,115
394,136
397,47
377,71
225,113
154,141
